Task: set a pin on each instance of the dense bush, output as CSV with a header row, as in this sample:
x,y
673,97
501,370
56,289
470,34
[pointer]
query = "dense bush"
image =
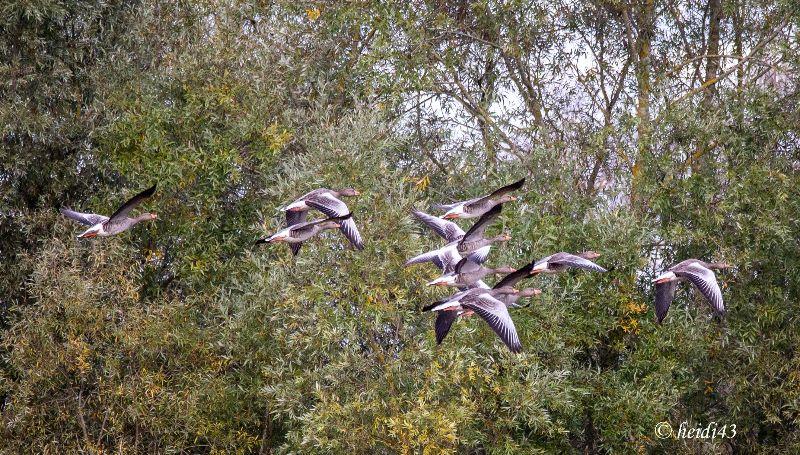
x,y
181,336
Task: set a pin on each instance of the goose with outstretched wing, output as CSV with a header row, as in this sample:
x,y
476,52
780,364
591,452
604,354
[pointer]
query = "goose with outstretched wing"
x,y
300,232
467,272
476,207
699,273
561,262
481,301
119,221
297,211
452,233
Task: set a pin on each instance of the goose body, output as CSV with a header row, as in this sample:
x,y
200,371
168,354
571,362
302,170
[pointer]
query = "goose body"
x,y
699,273
560,262
119,221
300,232
329,203
476,207
466,273
471,244
452,233
483,302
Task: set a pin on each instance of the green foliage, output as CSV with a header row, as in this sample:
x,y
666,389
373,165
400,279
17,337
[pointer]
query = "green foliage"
x,y
181,336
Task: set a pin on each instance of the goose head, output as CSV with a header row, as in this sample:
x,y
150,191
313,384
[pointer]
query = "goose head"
x,y
590,255
504,237
529,292
330,225
506,198
146,217
348,192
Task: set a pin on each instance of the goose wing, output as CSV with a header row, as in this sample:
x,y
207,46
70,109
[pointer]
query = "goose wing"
x,y
447,229
498,193
126,208
295,217
89,219
510,280
706,282
495,313
479,256
445,258
665,293
334,207
444,320
571,260
465,265
447,207
477,231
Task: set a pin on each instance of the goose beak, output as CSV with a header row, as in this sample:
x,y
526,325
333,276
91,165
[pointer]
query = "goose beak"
x,y
535,272
88,235
356,192
450,216
153,216
338,225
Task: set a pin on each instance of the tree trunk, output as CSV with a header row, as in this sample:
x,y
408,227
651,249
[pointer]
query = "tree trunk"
x,y
645,25
712,61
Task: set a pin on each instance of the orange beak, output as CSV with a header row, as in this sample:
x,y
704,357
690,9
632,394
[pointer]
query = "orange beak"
x,y
450,216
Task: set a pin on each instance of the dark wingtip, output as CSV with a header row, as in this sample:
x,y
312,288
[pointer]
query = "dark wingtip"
x,y
518,184
429,307
149,192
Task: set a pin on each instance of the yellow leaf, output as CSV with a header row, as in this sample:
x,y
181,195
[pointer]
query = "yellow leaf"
x,y
313,14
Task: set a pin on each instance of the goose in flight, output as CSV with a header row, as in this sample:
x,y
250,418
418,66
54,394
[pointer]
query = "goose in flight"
x,y
476,207
473,241
328,202
560,262
483,302
451,232
300,232
466,273
511,280
699,273
104,226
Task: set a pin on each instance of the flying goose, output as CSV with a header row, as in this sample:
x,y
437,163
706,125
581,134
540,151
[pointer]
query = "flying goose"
x,y
105,226
451,232
475,237
467,272
560,262
328,202
511,280
300,232
485,303
476,207
699,273
471,242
